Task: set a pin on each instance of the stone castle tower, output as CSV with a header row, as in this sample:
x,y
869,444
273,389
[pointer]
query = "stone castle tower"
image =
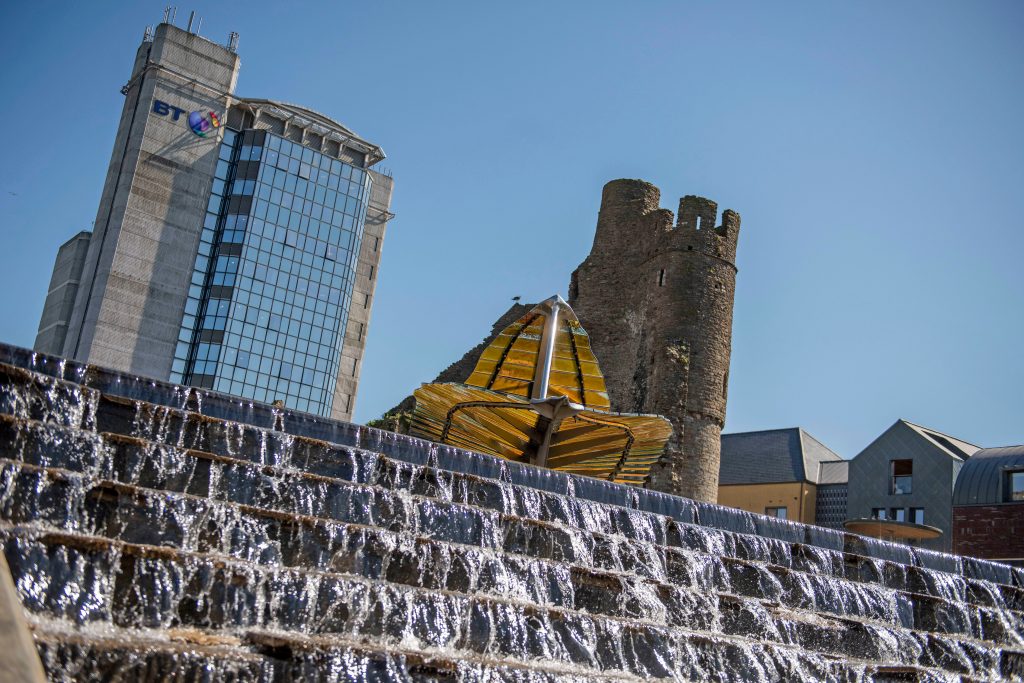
x,y
656,296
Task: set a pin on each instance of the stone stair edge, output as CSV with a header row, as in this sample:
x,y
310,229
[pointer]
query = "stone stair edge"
x,y
318,641
167,551
121,638
264,416
247,648
483,510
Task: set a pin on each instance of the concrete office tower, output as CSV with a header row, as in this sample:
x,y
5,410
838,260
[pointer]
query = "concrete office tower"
x,y
236,243
656,295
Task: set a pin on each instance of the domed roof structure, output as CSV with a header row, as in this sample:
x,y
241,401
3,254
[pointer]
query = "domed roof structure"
x,y
983,478
537,395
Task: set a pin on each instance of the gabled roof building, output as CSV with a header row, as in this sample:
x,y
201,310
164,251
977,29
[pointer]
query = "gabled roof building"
x,y
776,472
907,475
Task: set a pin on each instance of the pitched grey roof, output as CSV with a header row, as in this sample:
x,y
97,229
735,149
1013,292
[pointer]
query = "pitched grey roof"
x,y
772,456
833,472
952,445
982,478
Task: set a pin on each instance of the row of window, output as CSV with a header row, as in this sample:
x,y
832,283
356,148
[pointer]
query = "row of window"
x,y
281,270
914,515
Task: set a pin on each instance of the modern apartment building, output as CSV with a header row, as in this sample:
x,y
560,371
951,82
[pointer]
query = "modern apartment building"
x,y
906,476
237,241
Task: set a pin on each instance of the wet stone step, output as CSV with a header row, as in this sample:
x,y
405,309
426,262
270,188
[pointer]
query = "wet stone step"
x,y
159,519
681,589
640,651
267,658
191,431
193,472
161,588
176,400
148,588
842,636
69,503
610,553
32,396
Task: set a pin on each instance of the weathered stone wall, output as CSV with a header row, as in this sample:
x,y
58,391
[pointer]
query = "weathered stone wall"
x,y
656,296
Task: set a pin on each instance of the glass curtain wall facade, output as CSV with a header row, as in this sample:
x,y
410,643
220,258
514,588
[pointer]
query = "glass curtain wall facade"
x,y
273,277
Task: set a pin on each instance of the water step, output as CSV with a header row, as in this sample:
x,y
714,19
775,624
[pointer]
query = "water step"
x,y
232,599
34,385
243,483
838,636
190,655
263,540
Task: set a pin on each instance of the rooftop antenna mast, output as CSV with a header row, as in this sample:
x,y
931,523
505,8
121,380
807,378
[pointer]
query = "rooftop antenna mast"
x,y
233,41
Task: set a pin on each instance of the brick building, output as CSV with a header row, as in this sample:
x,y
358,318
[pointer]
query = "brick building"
x,y
988,506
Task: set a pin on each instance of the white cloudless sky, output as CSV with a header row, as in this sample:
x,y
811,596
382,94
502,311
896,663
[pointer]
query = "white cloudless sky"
x,y
874,151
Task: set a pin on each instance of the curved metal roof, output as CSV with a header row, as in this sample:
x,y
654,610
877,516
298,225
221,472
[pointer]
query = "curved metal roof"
x,y
315,117
982,477
305,111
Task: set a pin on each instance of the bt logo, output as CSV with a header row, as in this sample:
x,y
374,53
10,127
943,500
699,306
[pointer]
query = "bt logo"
x,y
201,124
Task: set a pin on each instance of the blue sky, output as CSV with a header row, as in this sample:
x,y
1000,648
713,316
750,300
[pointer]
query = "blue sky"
x,y
873,149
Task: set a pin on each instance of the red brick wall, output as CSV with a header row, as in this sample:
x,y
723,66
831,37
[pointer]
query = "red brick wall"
x,y
989,531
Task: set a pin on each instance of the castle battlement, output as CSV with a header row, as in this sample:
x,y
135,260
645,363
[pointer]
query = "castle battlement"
x,y
655,230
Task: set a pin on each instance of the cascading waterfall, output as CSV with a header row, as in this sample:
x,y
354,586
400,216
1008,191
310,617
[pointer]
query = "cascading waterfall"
x,y
155,530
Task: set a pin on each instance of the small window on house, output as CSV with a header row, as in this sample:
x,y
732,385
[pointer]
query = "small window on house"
x,y
698,223
661,278
879,513
917,515
779,512
1015,486
898,514
902,477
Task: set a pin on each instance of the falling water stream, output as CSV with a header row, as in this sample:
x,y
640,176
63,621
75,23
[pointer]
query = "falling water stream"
x,y
156,531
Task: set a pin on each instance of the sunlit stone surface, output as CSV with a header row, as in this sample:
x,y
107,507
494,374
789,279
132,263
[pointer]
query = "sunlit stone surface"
x,y
155,532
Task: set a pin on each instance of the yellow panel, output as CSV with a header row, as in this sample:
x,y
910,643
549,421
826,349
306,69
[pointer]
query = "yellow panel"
x,y
598,443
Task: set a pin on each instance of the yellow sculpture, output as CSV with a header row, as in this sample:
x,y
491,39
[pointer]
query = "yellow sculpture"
x,y
537,395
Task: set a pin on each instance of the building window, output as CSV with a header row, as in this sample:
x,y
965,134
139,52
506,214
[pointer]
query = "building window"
x,y
917,515
661,278
898,514
878,513
902,477
779,512
1015,486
